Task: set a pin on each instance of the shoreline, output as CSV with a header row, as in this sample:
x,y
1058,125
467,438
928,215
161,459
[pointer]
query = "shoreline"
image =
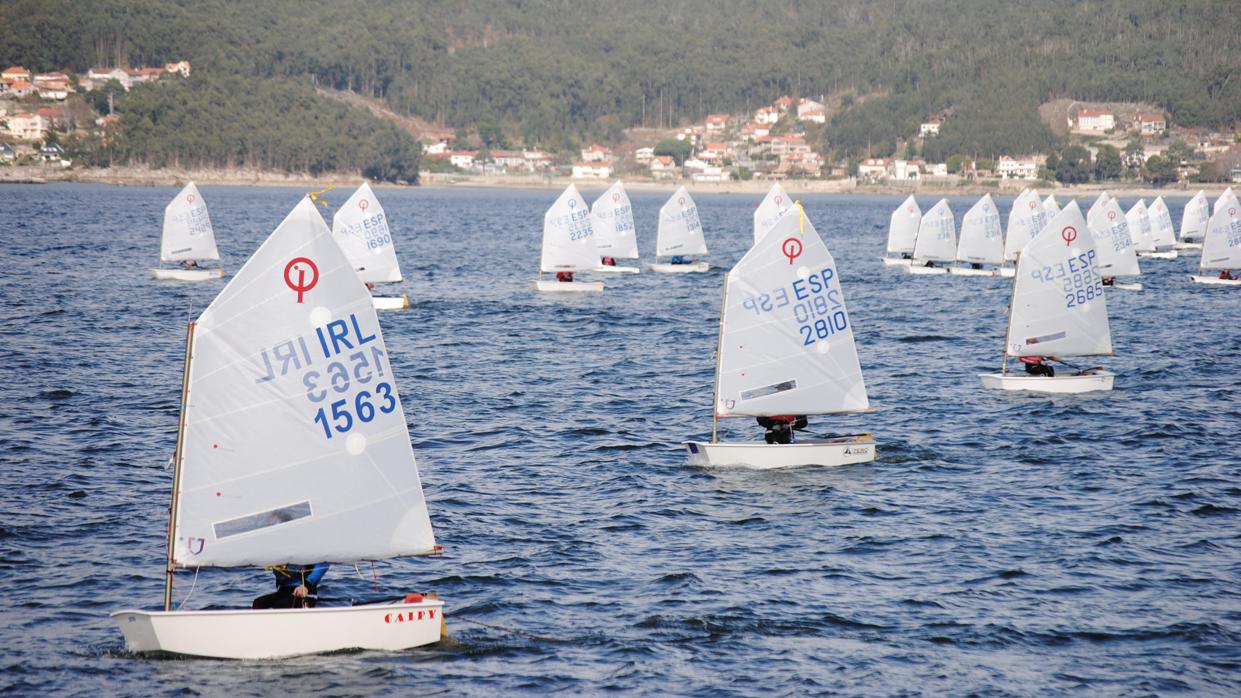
x,y
131,176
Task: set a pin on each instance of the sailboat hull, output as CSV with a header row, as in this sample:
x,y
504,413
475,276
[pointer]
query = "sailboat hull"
x,y
1126,287
1189,246
844,450
1168,254
1008,272
1097,380
400,302
187,274
1215,281
920,270
970,271
896,261
694,267
544,286
609,269
267,634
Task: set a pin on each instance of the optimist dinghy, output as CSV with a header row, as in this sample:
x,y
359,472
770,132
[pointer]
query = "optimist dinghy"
x,y
785,348
1025,219
770,209
361,229
902,233
982,240
611,219
1057,309
187,236
1221,248
292,447
1162,232
568,245
936,241
1110,229
1194,222
680,234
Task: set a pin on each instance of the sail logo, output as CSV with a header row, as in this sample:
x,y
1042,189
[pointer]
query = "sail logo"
x,y
301,265
1069,234
791,248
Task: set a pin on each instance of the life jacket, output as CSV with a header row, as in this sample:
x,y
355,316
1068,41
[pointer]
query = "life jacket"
x,y
295,576
1035,360
564,276
609,262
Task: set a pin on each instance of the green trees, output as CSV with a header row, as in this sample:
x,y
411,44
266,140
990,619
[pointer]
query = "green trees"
x,y
1107,164
1071,165
679,150
1161,170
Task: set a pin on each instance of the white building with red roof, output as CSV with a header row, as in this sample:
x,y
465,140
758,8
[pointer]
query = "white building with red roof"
x,y
1090,120
596,153
1151,124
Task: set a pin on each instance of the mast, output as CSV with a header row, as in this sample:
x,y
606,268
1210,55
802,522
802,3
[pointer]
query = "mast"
x,y
715,391
170,567
1012,298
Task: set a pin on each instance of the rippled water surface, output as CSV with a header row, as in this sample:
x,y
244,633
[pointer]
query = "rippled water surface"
x,y
1000,544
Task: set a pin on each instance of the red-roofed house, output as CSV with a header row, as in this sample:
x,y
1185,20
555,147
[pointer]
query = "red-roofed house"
x,y
20,88
1152,124
591,170
1095,120
717,122
874,168
663,167
55,116
817,116
783,103
16,73
767,115
28,127
751,131
596,153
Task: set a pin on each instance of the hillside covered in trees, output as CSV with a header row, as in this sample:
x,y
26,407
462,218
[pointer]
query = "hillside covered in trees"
x,y
554,72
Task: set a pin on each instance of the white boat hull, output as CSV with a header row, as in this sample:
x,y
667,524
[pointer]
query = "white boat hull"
x,y
1135,286
609,269
544,286
845,450
390,302
970,271
1168,254
266,634
1189,246
1215,281
1008,272
187,274
1098,380
896,261
919,269
694,267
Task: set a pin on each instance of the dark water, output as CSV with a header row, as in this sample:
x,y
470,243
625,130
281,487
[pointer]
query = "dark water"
x,y
1001,544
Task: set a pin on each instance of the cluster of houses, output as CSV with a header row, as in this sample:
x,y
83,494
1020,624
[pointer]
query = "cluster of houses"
x,y
1100,121
22,121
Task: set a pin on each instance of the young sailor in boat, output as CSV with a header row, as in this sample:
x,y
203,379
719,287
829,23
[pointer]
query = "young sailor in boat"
x,y
189,264
929,263
975,265
370,287
679,259
297,586
1036,367
780,429
564,276
1227,275
609,261
1109,281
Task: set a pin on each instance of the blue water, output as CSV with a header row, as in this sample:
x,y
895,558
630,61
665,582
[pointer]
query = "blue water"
x,y
1000,544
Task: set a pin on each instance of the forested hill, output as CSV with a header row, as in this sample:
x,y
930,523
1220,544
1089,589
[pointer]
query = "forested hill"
x,y
555,71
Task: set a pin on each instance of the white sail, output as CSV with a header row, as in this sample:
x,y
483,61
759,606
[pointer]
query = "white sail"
x,y
1110,229
295,447
1025,220
1096,208
774,205
1194,218
787,340
982,238
1219,201
937,235
1140,227
568,239
1058,307
1050,206
187,228
903,227
611,218
1221,248
680,230
1162,232
361,229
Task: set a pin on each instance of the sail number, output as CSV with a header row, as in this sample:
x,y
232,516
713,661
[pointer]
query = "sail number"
x,y
817,307
363,409
336,379
1078,278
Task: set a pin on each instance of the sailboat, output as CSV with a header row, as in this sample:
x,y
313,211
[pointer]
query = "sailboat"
x,y
902,232
785,348
936,241
1194,222
1050,206
1140,232
568,244
1221,248
1057,309
772,207
680,234
982,240
1026,218
187,236
361,229
1221,199
1163,235
611,219
291,447
1110,230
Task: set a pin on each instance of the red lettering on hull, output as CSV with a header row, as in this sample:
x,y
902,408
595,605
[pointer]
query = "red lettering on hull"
x,y
409,616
